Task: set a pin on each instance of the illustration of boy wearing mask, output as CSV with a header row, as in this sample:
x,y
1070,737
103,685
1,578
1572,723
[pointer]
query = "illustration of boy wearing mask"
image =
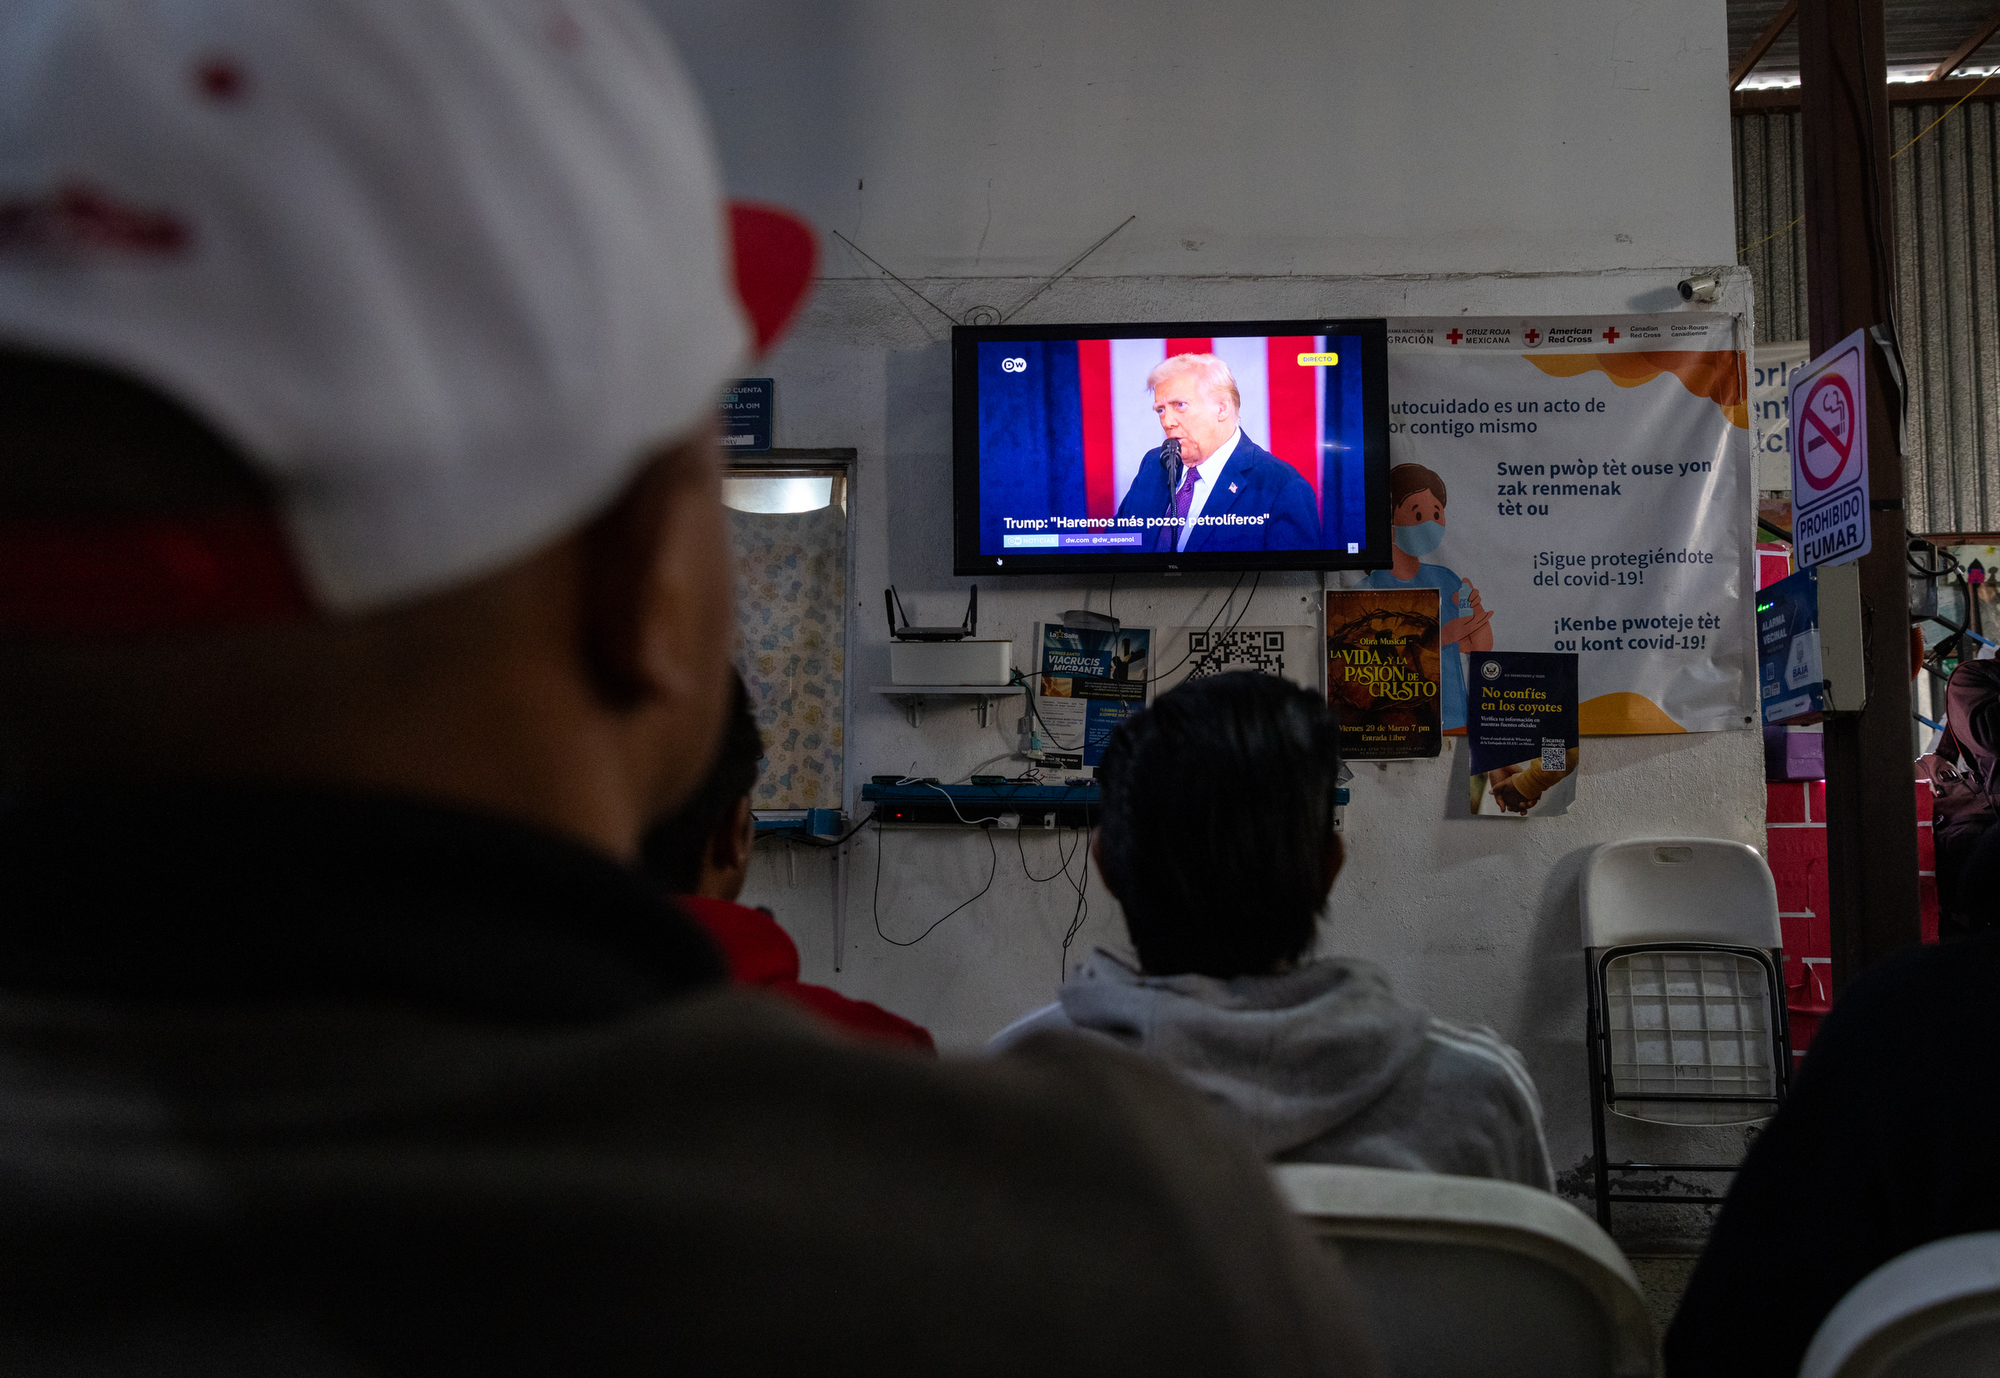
x,y
1416,501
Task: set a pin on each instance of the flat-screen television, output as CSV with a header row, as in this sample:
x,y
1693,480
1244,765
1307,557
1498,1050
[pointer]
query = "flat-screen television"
x,y
1216,445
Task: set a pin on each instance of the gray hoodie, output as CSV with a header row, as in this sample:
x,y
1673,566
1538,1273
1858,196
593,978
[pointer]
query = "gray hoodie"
x,y
1322,1064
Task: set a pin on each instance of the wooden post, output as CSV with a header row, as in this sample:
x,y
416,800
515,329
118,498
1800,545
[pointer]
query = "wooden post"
x,y
1871,829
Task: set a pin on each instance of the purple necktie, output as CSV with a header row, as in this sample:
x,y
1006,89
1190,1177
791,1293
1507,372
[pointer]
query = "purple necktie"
x,y
1171,538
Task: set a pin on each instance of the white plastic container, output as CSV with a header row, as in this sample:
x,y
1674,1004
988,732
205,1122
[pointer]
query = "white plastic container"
x,y
951,662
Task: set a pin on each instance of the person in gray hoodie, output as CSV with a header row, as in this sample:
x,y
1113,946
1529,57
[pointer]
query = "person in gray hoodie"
x,y
1217,839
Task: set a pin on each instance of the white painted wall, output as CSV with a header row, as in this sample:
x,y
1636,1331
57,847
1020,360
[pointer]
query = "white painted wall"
x,y
1283,159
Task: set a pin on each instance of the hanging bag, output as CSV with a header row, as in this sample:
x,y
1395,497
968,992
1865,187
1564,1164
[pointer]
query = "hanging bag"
x,y
1962,777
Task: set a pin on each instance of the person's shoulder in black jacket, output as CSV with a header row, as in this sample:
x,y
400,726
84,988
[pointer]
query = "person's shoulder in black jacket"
x,y
1888,1141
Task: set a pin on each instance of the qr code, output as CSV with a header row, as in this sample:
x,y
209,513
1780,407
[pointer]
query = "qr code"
x,y
1555,754
1215,653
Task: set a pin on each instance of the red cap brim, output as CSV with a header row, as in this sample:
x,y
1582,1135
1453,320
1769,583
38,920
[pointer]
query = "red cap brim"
x,y
776,253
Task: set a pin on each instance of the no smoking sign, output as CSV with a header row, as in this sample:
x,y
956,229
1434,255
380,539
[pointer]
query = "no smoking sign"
x,y
1829,434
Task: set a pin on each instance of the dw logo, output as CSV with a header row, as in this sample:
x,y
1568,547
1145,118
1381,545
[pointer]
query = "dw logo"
x,y
1013,365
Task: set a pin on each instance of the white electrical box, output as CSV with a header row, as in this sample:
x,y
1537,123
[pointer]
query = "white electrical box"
x,y
951,662
1809,645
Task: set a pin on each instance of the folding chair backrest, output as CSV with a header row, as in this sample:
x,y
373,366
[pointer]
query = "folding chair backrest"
x,y
1465,1276
1679,890
1691,1024
1933,1312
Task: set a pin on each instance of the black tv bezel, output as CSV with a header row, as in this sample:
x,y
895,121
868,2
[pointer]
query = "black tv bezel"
x,y
1375,550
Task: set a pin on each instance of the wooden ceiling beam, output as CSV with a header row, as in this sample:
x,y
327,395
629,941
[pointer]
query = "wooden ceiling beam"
x,y
1965,49
1765,39
1899,93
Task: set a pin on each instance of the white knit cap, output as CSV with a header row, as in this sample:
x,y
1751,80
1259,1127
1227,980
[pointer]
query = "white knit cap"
x,y
445,270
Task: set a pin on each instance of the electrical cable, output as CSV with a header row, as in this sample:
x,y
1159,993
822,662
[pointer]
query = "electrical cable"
x,y
1082,911
806,839
1110,602
1066,857
1941,118
969,822
1064,271
913,291
1077,920
1255,584
1036,713
1945,566
875,905
1884,260
1948,563
1211,625
990,760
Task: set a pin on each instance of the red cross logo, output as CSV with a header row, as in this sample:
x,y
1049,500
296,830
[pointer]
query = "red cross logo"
x,y
1532,336
1611,335
1455,336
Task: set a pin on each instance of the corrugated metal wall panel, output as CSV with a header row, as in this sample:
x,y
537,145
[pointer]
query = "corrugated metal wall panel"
x,y
1946,191
1946,284
1770,199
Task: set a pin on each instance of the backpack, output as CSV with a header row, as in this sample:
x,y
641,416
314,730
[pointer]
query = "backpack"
x,y
1963,768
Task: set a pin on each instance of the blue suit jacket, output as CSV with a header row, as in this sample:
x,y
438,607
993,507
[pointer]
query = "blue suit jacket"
x,y
1253,482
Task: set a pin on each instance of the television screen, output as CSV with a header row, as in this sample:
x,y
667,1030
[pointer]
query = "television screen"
x,y
1208,446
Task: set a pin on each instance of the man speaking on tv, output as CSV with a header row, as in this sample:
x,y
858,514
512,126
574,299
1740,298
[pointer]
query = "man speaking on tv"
x,y
1219,489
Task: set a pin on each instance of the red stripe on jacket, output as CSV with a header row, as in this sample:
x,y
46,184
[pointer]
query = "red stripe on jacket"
x,y
761,954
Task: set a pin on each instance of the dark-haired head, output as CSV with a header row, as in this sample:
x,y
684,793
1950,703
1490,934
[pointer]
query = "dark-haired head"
x,y
156,622
705,848
1217,831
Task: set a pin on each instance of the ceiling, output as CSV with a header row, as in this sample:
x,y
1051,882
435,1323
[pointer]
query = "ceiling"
x,y
1920,33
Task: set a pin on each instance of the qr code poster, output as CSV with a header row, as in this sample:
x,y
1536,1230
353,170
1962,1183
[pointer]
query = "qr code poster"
x,y
1198,652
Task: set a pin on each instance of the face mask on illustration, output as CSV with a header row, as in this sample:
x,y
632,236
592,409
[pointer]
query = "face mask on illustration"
x,y
1421,539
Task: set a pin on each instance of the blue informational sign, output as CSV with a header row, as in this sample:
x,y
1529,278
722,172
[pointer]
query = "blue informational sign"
x,y
1091,681
746,414
1522,731
1791,682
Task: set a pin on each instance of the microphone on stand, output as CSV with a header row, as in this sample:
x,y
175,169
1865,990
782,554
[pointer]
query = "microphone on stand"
x,y
1170,462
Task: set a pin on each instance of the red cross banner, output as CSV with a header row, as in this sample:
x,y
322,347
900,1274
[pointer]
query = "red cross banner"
x,y
1582,484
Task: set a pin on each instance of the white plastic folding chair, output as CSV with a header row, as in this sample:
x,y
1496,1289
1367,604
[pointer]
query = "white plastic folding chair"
x,y
1468,1276
1934,1312
1683,963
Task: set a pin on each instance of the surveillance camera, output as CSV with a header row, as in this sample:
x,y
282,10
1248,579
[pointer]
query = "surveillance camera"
x,y
1700,288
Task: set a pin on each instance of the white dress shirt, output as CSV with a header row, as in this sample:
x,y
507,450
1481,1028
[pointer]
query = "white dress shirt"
x,y
1206,473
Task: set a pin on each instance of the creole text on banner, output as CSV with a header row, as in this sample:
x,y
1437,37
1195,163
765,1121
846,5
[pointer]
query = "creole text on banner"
x,y
1582,484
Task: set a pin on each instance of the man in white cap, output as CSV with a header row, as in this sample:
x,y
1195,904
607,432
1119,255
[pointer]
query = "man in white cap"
x,y
363,595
